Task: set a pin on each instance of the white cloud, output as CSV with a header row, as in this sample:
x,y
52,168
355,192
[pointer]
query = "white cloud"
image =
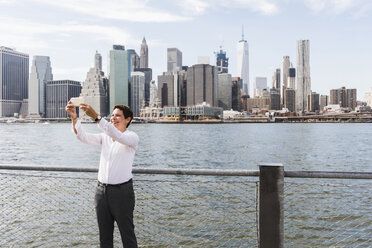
x,y
359,7
194,6
266,7
126,10
25,34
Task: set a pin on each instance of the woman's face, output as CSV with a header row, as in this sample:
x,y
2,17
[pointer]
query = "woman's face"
x,y
118,119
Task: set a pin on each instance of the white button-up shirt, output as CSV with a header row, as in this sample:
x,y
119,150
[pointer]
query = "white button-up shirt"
x,y
116,156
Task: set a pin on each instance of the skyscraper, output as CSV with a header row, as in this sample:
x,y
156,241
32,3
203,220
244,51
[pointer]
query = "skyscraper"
x,y
58,93
166,90
119,76
41,72
261,83
201,85
285,72
285,75
292,78
94,90
313,102
222,62
323,101
14,69
276,80
243,63
290,99
224,91
303,74
148,77
137,92
144,54
236,93
134,59
174,60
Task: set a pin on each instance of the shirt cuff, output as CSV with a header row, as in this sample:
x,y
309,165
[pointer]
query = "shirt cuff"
x,y
77,127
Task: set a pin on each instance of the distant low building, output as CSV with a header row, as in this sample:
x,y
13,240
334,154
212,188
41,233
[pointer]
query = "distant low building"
x,y
368,98
290,99
323,101
346,98
313,102
196,112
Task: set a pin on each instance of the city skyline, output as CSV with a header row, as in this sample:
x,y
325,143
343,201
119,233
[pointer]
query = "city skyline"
x,y
70,32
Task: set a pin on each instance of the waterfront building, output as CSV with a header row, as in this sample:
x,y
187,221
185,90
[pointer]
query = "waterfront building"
x,y
243,63
144,54
351,98
41,72
236,93
323,101
95,89
346,98
285,73
168,89
148,77
224,91
275,100
260,84
58,93
368,98
174,59
153,93
201,85
290,99
119,76
292,78
258,103
137,92
182,86
313,102
14,74
303,74
222,62
276,80
134,60
197,112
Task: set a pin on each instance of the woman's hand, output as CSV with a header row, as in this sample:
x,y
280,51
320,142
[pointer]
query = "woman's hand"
x,y
71,110
89,111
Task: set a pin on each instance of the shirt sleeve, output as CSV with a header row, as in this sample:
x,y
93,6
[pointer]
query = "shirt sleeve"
x,y
87,138
126,138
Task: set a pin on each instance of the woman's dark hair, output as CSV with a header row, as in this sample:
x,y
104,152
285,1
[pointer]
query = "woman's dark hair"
x,y
126,111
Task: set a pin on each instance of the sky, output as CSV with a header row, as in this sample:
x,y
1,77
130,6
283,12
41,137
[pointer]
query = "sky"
x,y
71,31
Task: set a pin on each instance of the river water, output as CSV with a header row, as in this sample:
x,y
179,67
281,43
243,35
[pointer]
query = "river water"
x,y
183,211
298,146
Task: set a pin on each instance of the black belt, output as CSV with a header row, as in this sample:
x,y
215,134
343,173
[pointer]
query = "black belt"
x,y
113,185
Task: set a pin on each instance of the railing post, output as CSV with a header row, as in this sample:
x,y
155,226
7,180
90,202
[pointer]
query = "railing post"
x,y
271,217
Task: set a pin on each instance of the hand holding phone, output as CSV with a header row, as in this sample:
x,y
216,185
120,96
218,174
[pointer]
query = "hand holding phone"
x,y
76,101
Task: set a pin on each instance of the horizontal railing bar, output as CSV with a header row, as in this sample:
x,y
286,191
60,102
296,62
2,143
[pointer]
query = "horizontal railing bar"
x,y
328,174
140,170
201,172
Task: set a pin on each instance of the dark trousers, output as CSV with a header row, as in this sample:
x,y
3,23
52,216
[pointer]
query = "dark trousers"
x,y
115,203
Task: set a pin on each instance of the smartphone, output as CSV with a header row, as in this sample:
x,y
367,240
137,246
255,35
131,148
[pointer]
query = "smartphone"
x,y
76,101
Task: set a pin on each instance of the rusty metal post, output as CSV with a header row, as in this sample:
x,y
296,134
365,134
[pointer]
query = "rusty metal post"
x,y
271,216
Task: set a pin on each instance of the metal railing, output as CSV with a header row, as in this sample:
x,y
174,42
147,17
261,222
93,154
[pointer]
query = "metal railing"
x,y
45,206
